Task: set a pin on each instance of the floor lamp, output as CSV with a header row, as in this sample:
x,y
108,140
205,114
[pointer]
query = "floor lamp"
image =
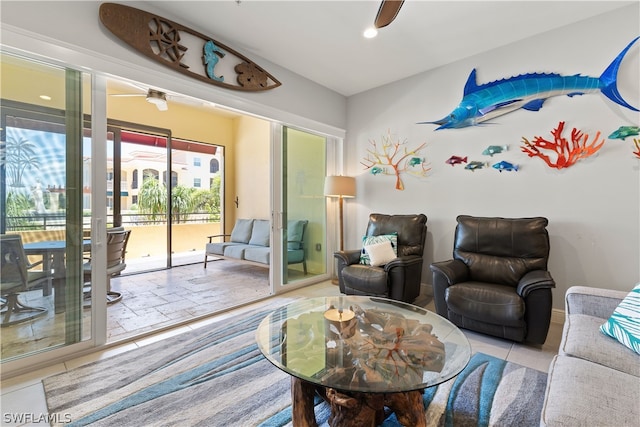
x,y
340,187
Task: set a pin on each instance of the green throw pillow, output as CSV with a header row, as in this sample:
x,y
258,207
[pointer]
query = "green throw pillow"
x,y
372,240
624,323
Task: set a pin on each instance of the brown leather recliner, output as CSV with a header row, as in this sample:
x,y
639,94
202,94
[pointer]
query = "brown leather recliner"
x,y
398,279
497,282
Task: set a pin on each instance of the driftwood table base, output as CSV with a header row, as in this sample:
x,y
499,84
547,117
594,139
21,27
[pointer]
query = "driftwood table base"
x,y
365,356
355,409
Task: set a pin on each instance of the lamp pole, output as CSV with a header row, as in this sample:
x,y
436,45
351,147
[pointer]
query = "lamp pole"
x,y
341,224
340,187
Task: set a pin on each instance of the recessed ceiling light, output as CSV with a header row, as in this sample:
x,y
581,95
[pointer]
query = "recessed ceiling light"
x,y
370,33
45,97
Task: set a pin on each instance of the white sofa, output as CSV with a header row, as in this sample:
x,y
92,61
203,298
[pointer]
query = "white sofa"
x,y
594,380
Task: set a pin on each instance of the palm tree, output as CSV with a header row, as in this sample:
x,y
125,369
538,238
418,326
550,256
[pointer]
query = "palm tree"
x,y
182,202
20,155
152,197
208,200
17,208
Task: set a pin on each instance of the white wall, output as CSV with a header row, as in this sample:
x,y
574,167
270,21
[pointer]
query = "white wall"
x,y
71,32
593,207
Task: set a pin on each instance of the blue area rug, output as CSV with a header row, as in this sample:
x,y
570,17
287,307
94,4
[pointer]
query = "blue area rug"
x,y
488,392
216,376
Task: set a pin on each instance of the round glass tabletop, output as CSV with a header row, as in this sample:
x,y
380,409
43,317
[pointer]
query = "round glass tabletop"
x,y
363,344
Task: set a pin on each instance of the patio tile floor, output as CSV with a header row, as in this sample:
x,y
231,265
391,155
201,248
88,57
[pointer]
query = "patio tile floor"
x,y
151,300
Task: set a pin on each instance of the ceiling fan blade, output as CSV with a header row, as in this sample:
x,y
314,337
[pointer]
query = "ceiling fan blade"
x,y
162,106
387,13
153,96
158,98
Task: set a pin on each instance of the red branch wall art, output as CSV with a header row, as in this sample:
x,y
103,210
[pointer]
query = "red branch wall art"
x,y
561,153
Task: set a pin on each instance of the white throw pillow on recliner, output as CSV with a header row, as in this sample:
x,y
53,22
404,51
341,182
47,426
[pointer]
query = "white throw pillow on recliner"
x,y
371,240
380,253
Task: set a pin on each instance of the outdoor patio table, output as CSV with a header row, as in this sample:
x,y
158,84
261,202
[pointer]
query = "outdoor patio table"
x,y
53,259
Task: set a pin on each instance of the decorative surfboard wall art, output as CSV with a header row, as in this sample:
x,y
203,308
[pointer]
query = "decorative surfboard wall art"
x,y
185,50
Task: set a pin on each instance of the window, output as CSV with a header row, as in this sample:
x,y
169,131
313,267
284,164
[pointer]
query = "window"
x,y
197,182
134,179
196,161
214,166
150,173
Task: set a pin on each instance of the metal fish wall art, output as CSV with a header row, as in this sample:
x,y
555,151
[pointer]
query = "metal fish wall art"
x,y
505,166
624,131
475,165
455,160
494,149
529,92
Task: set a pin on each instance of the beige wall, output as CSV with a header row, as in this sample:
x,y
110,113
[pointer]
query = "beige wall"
x,y
252,168
186,122
191,237
26,85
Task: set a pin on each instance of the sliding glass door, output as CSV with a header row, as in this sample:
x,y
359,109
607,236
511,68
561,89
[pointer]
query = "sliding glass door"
x,y
43,130
166,190
137,194
302,221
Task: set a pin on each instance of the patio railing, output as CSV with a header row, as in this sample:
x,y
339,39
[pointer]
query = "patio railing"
x,y
48,221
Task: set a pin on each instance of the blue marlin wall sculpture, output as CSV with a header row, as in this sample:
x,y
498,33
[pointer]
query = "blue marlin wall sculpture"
x,y
528,91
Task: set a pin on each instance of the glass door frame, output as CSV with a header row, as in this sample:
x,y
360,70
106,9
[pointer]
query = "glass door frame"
x,y
116,127
75,82
279,215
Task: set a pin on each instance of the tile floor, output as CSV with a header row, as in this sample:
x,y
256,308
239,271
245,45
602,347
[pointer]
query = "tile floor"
x,y
151,300
24,394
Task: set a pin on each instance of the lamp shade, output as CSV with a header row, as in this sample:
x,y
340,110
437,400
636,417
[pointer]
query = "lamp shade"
x,y
340,186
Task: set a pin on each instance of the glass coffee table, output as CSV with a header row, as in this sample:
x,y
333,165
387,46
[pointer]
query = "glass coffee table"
x,y
361,354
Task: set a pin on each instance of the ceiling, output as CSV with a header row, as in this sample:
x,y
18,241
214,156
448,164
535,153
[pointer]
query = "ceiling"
x,y
322,40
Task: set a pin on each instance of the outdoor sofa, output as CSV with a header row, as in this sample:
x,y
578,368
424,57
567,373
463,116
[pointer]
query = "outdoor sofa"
x,y
249,241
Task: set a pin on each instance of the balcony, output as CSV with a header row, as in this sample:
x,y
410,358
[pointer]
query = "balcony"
x,y
151,301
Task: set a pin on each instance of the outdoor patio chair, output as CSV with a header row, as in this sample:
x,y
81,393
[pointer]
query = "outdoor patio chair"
x,y
17,275
117,239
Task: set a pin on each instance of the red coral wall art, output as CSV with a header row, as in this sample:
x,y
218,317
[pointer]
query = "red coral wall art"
x,y
561,153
